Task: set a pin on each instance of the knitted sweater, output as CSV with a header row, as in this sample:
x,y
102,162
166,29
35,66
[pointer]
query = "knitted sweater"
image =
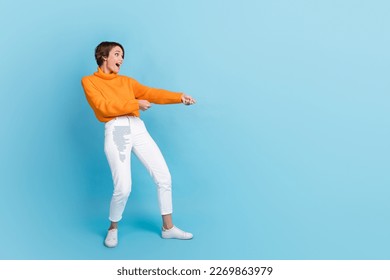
x,y
113,95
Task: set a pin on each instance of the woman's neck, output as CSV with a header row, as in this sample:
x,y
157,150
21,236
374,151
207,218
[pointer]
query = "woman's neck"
x,y
105,69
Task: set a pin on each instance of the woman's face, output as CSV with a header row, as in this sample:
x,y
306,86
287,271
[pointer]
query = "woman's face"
x,y
114,60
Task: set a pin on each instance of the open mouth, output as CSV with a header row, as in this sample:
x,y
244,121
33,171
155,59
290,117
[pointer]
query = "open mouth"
x,y
118,65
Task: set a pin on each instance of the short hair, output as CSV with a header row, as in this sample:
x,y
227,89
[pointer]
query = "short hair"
x,y
104,48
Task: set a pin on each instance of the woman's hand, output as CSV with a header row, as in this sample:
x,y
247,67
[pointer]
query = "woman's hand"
x,y
144,104
187,100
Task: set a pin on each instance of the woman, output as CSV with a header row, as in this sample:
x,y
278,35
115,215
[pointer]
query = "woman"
x,y
116,100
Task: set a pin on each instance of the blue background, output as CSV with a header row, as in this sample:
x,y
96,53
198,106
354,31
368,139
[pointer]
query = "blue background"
x,y
285,155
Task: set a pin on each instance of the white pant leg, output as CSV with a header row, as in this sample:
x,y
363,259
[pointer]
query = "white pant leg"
x,y
151,157
117,146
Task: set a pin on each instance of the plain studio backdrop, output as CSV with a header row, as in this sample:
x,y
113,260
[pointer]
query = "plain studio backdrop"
x,y
284,156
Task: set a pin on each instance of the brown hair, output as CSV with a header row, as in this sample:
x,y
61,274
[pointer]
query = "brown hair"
x,y
103,49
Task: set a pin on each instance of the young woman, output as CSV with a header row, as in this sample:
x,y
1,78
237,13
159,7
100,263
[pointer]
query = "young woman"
x,y
116,100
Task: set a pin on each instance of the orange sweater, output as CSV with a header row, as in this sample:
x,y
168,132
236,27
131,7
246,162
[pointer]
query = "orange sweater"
x,y
113,95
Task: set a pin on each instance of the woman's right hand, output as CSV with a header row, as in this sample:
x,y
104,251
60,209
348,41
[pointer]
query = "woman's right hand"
x,y
144,104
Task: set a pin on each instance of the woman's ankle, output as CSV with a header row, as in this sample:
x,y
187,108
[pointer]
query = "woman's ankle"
x,y
168,227
113,225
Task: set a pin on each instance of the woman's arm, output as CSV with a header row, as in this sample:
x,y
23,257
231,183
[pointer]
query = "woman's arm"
x,y
154,95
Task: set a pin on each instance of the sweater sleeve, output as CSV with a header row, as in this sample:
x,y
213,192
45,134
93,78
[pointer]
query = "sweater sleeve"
x,y
104,107
154,95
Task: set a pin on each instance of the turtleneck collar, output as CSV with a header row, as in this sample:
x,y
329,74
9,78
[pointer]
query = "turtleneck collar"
x,y
105,76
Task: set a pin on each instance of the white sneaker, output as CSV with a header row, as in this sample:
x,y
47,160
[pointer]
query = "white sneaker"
x,y
111,238
175,233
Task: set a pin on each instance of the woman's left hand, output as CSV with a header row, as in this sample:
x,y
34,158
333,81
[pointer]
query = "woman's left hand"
x,y
187,100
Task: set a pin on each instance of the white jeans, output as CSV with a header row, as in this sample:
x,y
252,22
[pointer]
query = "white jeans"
x,y
124,135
